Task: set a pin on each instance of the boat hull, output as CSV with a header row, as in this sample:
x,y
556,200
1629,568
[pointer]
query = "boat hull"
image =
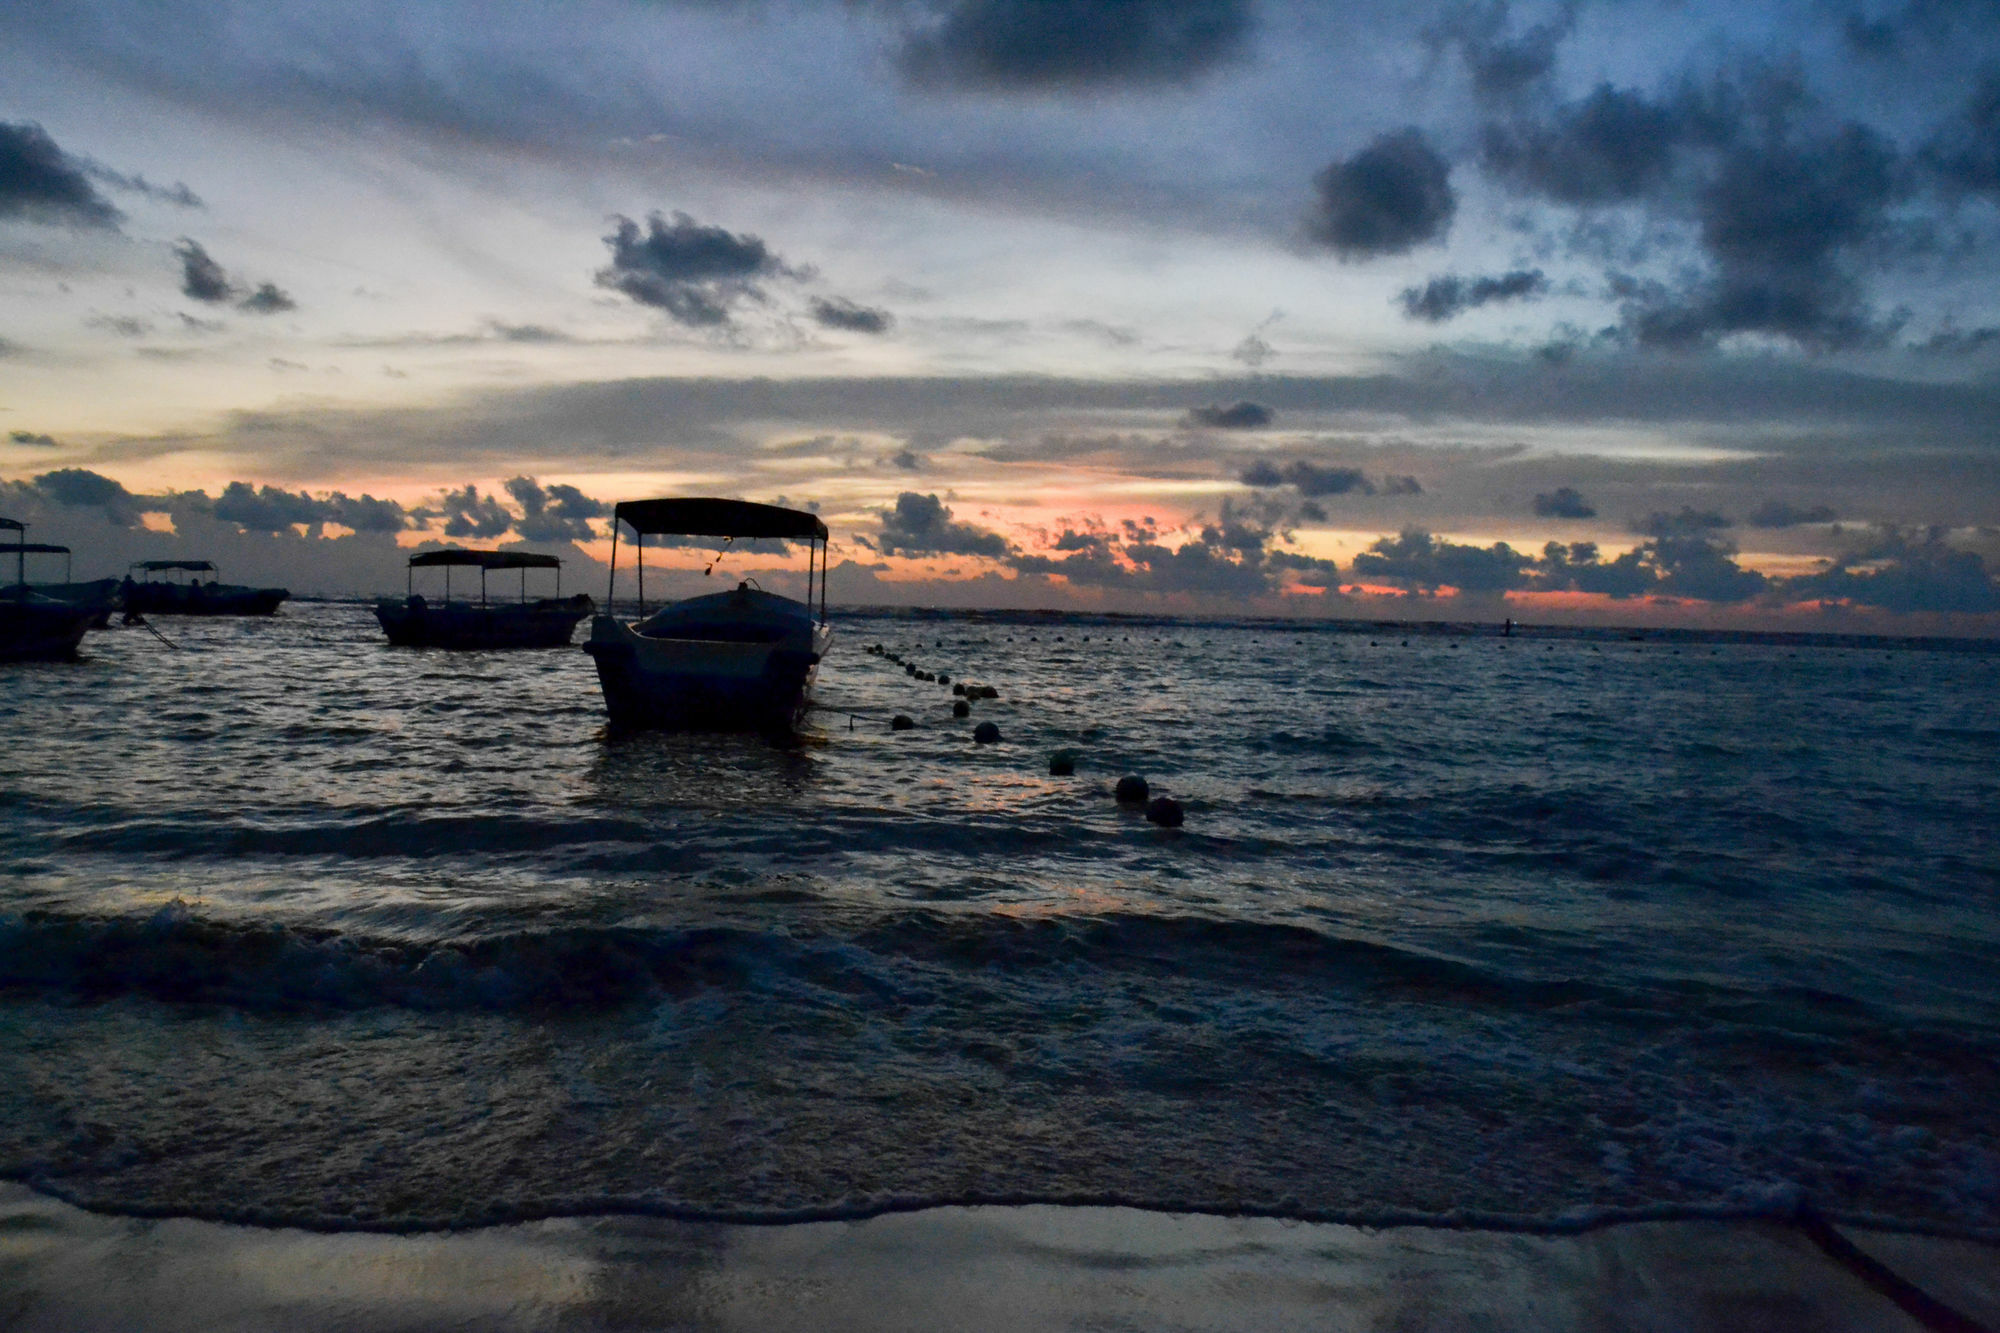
x,y
545,624
704,685
188,599
39,630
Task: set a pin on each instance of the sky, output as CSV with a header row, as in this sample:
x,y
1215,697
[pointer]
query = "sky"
x,y
1674,313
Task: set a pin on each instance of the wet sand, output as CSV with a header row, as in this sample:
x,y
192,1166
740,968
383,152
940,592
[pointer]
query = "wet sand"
x,y
62,1268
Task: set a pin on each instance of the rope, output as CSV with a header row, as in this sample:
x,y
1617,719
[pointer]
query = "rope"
x,y
147,626
1911,1299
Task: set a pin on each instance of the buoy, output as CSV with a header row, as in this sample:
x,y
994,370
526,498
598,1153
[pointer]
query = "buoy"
x,y
943,679
1166,812
958,689
902,722
960,708
985,734
1061,764
1131,790
988,692
909,668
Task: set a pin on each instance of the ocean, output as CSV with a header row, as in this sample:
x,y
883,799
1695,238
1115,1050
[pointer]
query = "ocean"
x,y
297,928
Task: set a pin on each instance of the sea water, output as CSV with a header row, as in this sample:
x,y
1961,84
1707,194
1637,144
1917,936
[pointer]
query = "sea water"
x,y
299,928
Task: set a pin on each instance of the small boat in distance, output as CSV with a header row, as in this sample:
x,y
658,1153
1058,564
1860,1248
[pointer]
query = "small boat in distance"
x,y
742,660
190,596
35,627
413,621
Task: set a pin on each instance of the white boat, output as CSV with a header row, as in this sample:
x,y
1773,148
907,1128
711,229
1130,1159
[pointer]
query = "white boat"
x,y
414,621
35,627
742,660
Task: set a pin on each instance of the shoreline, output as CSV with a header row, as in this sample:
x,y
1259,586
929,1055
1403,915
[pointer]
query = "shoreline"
x,y
980,1266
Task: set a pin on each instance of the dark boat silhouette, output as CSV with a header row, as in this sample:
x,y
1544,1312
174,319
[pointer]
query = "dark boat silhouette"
x,y
33,625
414,621
191,596
742,660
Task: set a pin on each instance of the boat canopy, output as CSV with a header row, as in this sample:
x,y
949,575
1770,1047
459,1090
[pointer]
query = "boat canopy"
x,y
485,559
718,518
39,548
155,566
13,525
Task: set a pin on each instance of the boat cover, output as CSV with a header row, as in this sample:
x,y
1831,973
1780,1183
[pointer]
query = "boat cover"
x,y
718,518
155,566
485,559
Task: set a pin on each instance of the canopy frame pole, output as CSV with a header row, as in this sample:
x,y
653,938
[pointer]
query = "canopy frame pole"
x,y
639,546
482,587
611,579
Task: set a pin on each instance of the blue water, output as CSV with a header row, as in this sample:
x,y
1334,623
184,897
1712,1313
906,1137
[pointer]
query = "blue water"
x,y
296,927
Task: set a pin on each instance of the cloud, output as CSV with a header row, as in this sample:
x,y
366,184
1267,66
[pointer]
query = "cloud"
x,y
1611,147
921,525
34,438
908,459
268,510
1417,559
1501,66
1701,569
39,182
267,300
177,194
1778,514
1228,558
1563,502
125,326
1402,485
839,313
1253,351
694,273
1390,197
1780,222
1055,45
1240,415
1896,573
365,513
1965,151
467,513
1450,296
1579,568
1689,522
80,488
201,277
554,513
1959,342
1312,479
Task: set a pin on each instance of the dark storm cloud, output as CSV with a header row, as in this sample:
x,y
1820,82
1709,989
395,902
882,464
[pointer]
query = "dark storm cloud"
x,y
1959,342
201,277
267,510
1780,223
1447,297
1701,569
1610,147
1579,567
922,525
39,182
694,273
267,299
1688,522
1390,197
839,313
1500,64
80,488
1778,514
1044,45
1313,480
1228,558
467,513
1240,415
35,438
1898,573
1965,151
1417,559
556,513
1563,502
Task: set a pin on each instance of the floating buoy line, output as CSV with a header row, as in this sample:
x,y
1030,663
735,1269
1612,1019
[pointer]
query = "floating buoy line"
x,y
1131,792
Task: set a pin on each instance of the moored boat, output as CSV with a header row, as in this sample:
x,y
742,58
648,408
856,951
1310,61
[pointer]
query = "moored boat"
x,y
742,660
191,596
33,625
414,621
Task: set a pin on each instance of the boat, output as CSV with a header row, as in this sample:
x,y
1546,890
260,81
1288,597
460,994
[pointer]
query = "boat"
x,y
742,660
35,627
191,596
413,621
100,595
